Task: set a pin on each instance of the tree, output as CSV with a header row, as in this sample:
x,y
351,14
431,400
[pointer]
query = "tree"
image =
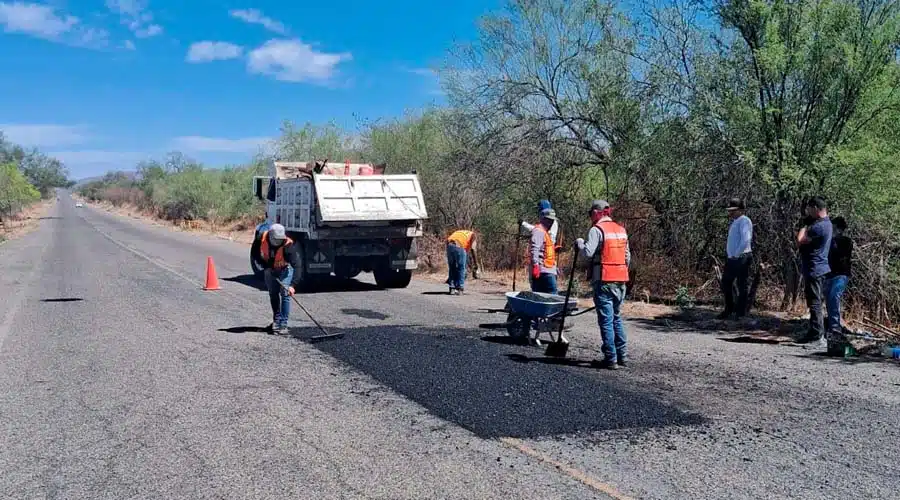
x,y
15,191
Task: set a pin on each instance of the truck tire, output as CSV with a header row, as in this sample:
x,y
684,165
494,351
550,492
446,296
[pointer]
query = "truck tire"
x,y
306,282
346,271
388,278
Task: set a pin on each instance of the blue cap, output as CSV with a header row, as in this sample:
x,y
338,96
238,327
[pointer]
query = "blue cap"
x,y
543,205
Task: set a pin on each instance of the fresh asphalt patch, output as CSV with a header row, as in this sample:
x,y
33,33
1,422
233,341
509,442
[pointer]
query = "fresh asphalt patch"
x,y
478,386
366,314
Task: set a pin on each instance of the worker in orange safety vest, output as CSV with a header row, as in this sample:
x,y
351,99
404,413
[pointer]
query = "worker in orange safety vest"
x,y
610,256
275,252
543,255
459,244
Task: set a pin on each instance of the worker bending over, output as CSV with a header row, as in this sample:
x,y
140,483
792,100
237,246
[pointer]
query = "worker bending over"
x,y
277,254
459,244
543,255
609,254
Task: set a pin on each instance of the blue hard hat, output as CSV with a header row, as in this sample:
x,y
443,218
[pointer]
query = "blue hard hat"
x,y
544,205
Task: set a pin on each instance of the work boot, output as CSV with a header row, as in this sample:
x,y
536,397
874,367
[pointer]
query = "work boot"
x,y
623,362
281,330
606,364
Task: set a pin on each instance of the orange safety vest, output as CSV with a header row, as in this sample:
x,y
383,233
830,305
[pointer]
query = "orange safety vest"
x,y
279,263
549,250
612,258
462,238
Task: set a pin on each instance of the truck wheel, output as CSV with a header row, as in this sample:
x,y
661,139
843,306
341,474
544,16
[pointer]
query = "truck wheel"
x,y
388,278
306,282
346,271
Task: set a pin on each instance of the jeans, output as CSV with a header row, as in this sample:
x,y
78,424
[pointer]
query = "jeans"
x,y
814,293
456,264
834,290
608,298
278,297
545,283
737,269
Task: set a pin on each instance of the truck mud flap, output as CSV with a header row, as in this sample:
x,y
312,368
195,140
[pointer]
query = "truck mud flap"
x,y
318,260
404,258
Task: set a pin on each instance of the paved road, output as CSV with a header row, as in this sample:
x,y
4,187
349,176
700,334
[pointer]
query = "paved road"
x,y
120,378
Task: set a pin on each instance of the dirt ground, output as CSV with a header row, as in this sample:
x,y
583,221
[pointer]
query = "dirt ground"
x,y
26,221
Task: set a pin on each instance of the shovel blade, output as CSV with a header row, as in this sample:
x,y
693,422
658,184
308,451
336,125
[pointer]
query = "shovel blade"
x,y
557,349
332,336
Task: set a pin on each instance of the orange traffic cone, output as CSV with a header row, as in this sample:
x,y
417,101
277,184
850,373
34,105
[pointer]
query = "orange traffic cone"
x,y
212,280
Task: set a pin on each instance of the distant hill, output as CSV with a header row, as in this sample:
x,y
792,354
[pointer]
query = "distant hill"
x,y
81,182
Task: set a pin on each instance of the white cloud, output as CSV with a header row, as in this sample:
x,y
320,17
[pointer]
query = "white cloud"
x,y
213,51
44,136
254,16
43,21
134,14
293,61
195,143
128,45
97,162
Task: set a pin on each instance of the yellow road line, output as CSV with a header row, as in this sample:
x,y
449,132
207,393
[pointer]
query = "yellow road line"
x,y
565,469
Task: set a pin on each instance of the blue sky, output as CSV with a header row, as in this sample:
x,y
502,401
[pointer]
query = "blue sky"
x,y
103,84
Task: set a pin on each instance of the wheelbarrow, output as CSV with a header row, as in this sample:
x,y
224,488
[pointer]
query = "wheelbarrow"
x,y
534,311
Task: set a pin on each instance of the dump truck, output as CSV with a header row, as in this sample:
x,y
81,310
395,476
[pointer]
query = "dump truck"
x,y
347,218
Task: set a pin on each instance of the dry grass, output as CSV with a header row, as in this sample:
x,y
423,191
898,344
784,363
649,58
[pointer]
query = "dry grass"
x,y
240,230
25,221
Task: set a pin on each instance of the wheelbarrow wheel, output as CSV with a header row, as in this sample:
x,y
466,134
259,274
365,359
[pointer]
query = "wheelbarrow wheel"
x,y
518,327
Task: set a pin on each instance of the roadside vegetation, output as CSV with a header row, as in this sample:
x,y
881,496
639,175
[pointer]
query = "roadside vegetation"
x,y
666,109
26,177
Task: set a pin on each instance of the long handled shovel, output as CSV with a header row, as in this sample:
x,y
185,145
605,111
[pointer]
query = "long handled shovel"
x,y
316,338
516,259
559,347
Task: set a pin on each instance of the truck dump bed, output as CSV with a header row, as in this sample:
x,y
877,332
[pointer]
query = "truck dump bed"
x,y
304,196
366,198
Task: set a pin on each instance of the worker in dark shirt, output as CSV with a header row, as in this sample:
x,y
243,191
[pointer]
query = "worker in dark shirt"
x,y
839,258
277,254
814,241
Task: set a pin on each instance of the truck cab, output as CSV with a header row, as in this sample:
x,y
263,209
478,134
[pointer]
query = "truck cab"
x,y
348,218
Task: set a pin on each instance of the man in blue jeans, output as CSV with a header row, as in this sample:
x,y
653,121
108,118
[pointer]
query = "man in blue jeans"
x,y
277,254
839,259
608,251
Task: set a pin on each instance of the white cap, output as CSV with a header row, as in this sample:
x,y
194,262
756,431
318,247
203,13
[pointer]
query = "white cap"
x,y
276,232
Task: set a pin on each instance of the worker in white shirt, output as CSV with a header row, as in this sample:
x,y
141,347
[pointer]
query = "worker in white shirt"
x,y
554,230
740,255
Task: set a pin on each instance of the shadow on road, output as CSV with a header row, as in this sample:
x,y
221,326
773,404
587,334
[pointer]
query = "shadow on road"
x,y
64,299
501,339
248,280
701,320
581,363
49,218
435,292
245,329
476,385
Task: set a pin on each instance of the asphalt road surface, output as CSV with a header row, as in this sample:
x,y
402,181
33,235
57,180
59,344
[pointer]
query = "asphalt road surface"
x,y
121,378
